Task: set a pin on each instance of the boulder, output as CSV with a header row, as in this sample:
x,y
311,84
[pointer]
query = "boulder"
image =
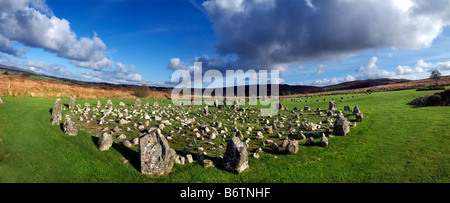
x,y
341,126
156,156
347,108
105,142
235,158
356,110
109,103
359,117
70,128
1,101
56,112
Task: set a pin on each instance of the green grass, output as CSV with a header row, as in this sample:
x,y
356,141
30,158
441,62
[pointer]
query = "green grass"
x,y
395,142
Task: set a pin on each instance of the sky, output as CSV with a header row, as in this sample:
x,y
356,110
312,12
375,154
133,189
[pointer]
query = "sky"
x,y
310,42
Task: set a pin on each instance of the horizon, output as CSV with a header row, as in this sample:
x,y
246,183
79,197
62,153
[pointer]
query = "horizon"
x,y
311,43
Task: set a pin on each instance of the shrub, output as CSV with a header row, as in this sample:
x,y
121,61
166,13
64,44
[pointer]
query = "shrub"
x,y
142,91
434,100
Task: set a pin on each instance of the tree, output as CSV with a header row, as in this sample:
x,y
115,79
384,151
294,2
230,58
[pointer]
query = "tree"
x,y
435,75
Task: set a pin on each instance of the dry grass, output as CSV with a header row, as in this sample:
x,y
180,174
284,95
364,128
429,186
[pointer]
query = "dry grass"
x,y
14,86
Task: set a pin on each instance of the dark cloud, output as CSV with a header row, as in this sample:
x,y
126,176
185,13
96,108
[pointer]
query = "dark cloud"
x,y
269,34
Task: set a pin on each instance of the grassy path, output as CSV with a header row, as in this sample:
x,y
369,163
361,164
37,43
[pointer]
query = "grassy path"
x,y
395,143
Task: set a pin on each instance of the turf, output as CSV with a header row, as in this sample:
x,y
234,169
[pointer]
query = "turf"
x,y
396,142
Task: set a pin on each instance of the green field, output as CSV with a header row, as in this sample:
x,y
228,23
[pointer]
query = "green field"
x,y
396,142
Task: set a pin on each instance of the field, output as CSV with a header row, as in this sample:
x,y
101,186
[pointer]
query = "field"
x,y
396,142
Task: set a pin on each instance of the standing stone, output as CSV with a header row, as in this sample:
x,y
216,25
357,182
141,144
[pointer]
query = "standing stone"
x,y
70,128
333,106
359,117
71,102
356,110
109,103
156,156
292,147
235,104
56,112
323,141
99,104
235,158
307,108
155,103
341,126
347,108
205,110
137,102
105,142
1,101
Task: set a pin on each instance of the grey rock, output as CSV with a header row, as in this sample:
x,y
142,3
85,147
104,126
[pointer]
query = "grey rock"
x,y
71,102
332,106
156,156
341,126
70,128
105,142
235,158
292,147
56,112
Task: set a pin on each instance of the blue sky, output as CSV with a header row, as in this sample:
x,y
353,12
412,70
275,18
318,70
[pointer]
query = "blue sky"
x,y
312,42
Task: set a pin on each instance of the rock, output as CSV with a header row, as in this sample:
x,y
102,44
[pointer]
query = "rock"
x,y
70,128
156,156
235,158
259,135
208,163
256,155
307,108
137,102
310,126
341,126
1,101
180,160
122,137
71,102
135,141
347,108
323,141
189,158
356,110
56,112
359,117
121,104
123,121
105,142
310,141
292,147
332,106
127,143
155,103
205,110
109,103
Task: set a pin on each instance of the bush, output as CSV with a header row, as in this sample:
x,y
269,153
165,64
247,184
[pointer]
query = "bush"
x,y
142,91
434,100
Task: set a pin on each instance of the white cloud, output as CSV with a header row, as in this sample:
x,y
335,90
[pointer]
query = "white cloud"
x,y
321,69
371,71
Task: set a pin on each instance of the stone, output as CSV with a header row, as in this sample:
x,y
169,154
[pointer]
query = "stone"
x,y
235,158
332,106
341,126
205,110
122,137
137,102
109,103
307,108
323,141
208,163
56,112
156,156
127,143
121,104
71,102
256,155
1,101
310,141
123,121
70,128
105,142
359,117
292,147
310,126
356,110
259,135
155,103
347,108
189,158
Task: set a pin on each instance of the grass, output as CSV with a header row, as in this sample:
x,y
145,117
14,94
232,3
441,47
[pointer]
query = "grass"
x,y
396,142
